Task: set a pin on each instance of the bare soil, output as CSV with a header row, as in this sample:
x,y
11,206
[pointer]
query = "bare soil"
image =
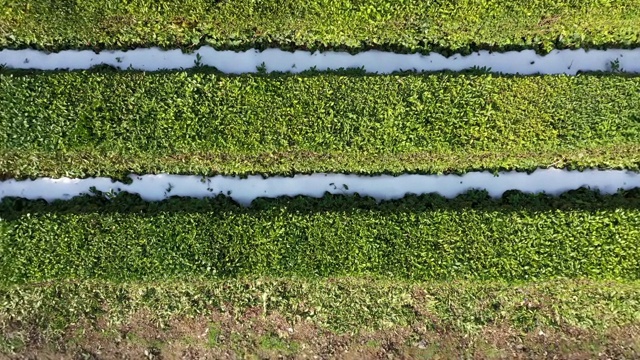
x,y
252,335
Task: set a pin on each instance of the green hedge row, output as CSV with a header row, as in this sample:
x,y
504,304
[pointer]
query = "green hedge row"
x,y
338,304
445,26
110,124
519,237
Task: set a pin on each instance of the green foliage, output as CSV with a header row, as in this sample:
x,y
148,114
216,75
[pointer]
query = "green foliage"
x,y
518,237
109,124
445,26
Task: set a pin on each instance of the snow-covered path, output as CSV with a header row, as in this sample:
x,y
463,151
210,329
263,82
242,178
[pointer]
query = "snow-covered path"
x,y
158,187
523,62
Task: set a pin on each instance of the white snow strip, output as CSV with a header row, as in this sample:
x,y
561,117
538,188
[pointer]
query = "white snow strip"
x,y
523,62
385,187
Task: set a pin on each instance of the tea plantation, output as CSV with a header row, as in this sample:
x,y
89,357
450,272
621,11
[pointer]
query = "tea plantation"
x,y
110,275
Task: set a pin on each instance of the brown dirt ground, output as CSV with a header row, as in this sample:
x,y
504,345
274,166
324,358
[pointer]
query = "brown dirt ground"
x,y
254,336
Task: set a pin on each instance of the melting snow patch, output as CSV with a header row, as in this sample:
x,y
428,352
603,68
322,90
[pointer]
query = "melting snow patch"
x,y
523,62
384,187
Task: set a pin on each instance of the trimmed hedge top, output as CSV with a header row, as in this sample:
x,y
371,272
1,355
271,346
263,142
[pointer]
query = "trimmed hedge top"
x,y
444,26
111,124
519,237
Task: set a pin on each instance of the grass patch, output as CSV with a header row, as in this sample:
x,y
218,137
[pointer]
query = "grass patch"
x,y
213,336
273,343
300,311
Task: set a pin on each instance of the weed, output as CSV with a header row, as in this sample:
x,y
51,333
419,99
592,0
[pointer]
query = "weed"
x,y
614,66
198,61
262,68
